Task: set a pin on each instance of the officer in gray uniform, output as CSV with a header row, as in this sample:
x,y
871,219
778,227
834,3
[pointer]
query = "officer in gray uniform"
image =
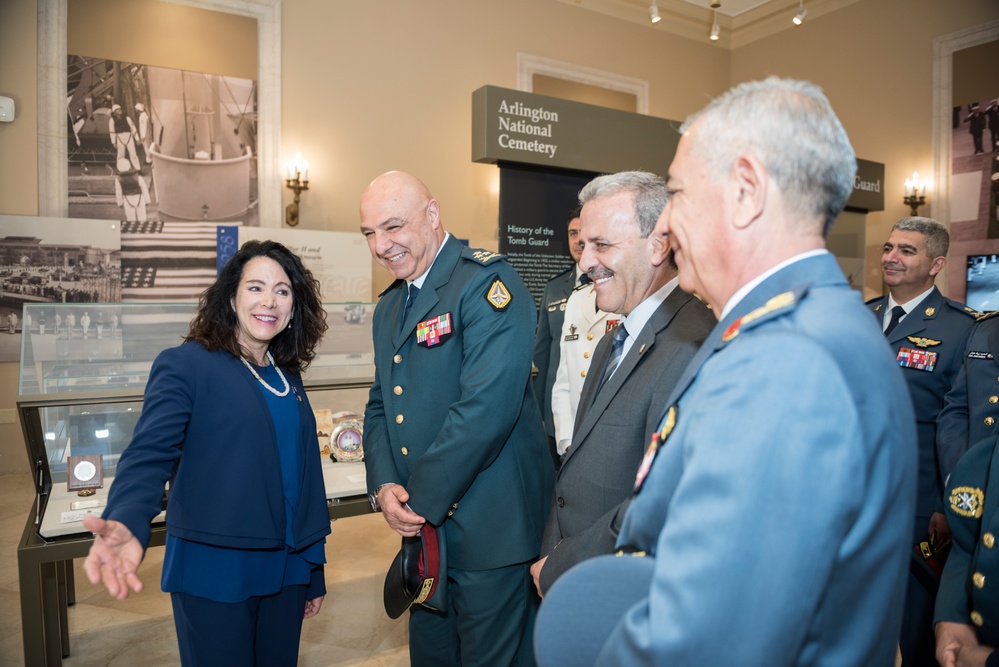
x,y
927,333
971,407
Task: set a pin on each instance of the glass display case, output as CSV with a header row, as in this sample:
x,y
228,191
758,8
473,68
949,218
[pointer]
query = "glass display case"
x,y
83,371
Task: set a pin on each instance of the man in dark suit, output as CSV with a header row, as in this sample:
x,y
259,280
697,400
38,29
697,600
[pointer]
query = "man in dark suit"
x,y
550,319
662,328
764,528
927,333
452,431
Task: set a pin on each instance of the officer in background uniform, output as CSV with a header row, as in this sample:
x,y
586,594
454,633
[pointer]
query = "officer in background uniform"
x,y
927,334
452,430
967,606
585,324
550,319
971,407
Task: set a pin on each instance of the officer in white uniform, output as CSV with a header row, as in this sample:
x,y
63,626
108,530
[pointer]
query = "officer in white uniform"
x,y
583,327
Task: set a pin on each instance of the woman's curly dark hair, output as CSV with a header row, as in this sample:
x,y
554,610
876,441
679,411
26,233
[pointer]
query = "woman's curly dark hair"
x,y
215,324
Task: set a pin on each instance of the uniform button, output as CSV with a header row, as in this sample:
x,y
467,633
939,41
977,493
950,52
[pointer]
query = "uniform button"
x,y
978,579
399,419
989,540
586,355
989,421
397,358
993,399
397,390
582,374
560,502
455,506
450,512
405,452
589,336
977,619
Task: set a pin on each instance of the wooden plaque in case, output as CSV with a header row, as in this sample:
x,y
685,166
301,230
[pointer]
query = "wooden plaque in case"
x,y
85,472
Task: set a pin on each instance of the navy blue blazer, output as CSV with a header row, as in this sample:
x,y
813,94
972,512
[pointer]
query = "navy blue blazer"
x,y
205,426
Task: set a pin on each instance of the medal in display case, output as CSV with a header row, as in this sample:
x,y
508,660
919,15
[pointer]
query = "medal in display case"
x,y
79,397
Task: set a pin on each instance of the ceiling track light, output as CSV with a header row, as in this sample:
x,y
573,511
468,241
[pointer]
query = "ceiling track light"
x,y
654,16
715,28
799,18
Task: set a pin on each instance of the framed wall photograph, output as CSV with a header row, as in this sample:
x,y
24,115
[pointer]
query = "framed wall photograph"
x,y
106,29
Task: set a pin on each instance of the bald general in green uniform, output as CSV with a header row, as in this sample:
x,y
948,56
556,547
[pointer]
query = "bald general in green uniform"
x,y
453,434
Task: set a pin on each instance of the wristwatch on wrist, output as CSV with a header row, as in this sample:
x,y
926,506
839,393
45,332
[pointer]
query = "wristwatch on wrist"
x,y
373,497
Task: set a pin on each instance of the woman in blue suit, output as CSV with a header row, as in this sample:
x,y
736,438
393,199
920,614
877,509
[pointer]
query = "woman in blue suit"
x,y
226,420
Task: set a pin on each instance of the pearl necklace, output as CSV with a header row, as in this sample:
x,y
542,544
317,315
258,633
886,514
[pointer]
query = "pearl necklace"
x,y
261,380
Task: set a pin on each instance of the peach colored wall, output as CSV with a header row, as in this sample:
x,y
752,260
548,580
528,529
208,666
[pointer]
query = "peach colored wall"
x,y
365,91
875,61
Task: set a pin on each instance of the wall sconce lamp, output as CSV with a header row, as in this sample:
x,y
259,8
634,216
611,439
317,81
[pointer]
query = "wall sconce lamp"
x,y
915,193
799,18
715,28
654,16
297,179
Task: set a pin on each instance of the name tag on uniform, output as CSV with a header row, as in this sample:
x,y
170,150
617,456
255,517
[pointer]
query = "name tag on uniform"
x,y
434,331
979,355
921,360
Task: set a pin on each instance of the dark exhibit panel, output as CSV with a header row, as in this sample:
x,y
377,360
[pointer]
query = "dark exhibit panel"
x,y
534,204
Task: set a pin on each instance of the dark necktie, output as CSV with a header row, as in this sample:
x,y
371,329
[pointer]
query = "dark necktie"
x,y
897,313
617,351
413,291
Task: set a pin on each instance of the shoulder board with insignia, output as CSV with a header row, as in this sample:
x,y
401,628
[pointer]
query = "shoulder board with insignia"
x,y
987,314
961,308
483,257
775,304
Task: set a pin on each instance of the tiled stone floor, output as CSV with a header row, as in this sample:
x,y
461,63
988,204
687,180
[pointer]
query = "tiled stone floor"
x,y
351,630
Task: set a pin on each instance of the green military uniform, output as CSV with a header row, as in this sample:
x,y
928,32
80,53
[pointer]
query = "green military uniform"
x,y
452,417
969,587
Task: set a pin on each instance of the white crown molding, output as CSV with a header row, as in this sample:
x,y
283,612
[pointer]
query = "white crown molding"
x,y
528,66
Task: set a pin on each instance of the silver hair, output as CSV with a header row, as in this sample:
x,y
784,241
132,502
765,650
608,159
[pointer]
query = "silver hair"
x,y
937,236
792,129
649,190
